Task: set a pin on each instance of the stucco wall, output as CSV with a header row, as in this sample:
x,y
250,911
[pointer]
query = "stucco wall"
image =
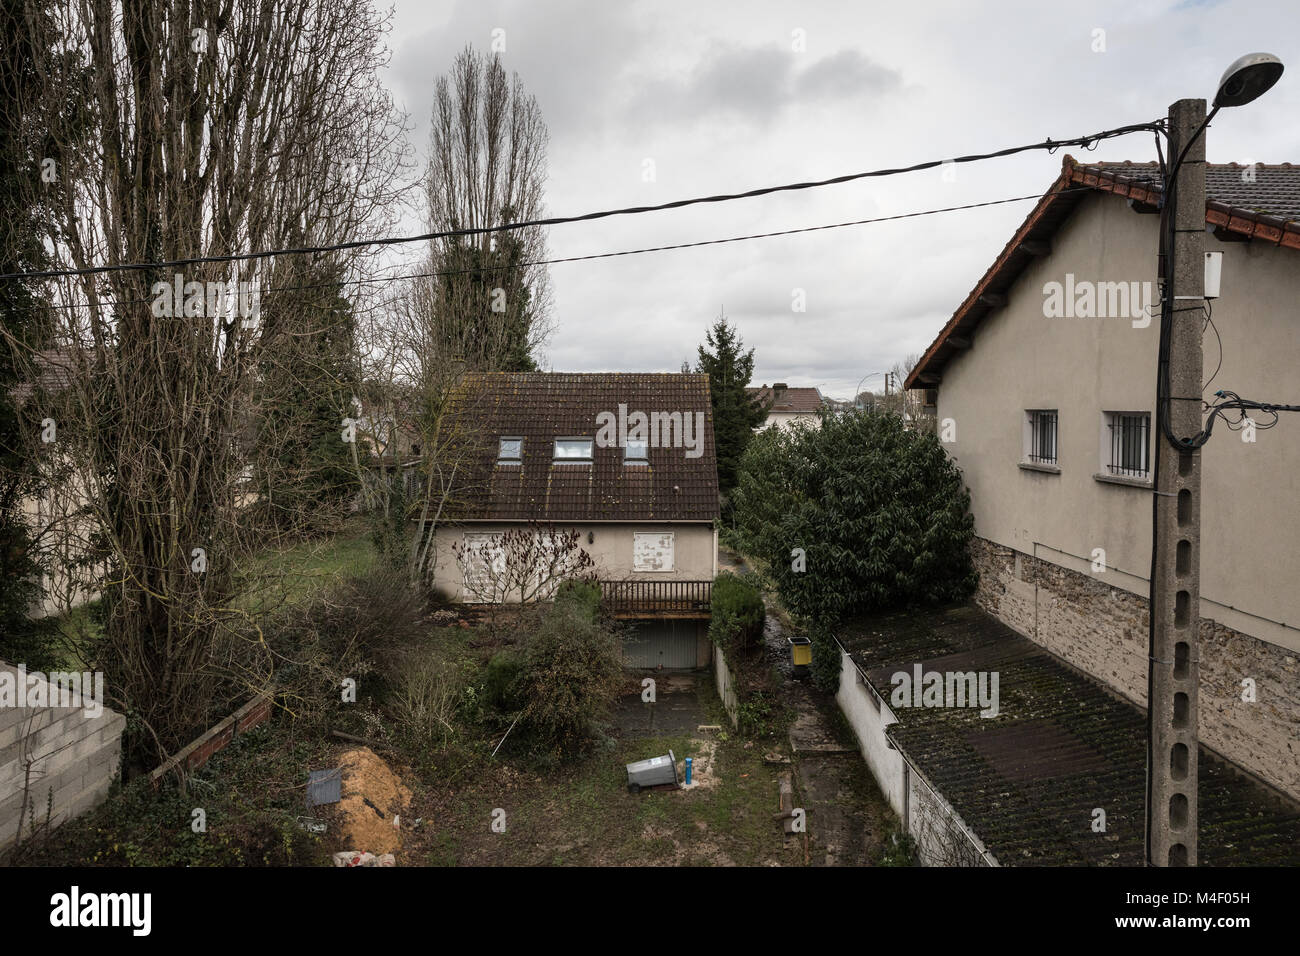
x,y
1250,606
788,420
869,724
1022,360
694,545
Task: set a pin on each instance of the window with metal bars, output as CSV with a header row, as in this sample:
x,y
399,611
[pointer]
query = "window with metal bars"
x,y
1130,434
1041,443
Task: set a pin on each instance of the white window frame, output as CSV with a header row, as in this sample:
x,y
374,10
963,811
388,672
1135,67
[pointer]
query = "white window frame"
x,y
643,458
501,459
1110,420
473,591
1032,423
672,551
570,459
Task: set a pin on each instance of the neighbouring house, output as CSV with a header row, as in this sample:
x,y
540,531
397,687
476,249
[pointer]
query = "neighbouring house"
x,y
1043,383
785,405
625,460
59,514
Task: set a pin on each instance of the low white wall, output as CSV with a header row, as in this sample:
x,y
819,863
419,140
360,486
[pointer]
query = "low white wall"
x,y
726,686
869,723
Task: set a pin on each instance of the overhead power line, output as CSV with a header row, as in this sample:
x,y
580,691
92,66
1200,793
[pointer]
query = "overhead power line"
x,y
624,252
1050,145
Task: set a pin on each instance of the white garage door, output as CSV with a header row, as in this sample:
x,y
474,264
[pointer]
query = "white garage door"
x,y
667,644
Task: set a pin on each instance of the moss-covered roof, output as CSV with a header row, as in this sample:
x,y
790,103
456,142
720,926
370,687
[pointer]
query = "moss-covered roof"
x,y
1027,781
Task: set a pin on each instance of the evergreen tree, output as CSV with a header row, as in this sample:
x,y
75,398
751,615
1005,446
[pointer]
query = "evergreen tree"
x,y
307,380
735,414
22,315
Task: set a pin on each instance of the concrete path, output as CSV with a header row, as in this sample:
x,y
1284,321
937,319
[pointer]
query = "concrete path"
x,y
845,811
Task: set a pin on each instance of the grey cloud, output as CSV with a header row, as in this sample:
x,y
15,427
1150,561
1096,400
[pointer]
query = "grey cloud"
x,y
753,84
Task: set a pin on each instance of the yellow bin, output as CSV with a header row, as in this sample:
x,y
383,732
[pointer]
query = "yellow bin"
x,y
800,651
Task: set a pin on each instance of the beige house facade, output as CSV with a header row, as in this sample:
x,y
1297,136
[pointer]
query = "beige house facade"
x,y
622,462
1045,401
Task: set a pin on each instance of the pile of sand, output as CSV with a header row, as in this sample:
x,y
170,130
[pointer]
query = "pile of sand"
x,y
373,797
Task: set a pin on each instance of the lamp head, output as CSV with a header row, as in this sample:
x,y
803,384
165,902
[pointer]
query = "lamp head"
x,y
1247,79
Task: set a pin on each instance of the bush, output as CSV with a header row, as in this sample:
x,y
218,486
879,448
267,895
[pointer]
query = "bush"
x,y
571,668
344,631
738,611
878,509
583,594
499,682
826,660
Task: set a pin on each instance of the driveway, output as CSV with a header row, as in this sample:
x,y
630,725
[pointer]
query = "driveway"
x,y
677,708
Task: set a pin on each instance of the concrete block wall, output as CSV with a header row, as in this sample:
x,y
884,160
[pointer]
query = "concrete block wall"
x,y
73,760
1102,630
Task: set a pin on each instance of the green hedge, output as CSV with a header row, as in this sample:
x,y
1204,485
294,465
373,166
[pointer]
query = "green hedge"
x,y
738,611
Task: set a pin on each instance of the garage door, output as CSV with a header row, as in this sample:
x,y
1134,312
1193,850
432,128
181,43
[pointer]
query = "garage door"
x,y
667,644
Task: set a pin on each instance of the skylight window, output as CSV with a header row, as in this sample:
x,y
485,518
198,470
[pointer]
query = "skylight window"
x,y
635,452
510,451
573,449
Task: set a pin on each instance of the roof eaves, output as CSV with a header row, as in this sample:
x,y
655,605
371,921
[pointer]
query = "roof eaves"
x,y
969,312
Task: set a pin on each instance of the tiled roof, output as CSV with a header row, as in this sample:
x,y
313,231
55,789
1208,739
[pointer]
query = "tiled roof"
x,y
787,399
1261,188
1260,201
1027,781
542,406
55,369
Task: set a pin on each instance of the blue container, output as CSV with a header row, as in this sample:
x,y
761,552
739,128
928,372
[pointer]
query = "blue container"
x,y
688,771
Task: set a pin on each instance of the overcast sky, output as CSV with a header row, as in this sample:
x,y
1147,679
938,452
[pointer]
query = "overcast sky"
x,y
717,96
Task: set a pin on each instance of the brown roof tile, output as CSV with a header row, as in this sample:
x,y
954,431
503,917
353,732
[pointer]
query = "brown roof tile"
x,y
542,406
798,400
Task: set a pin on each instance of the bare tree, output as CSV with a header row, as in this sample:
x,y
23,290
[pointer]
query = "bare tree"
x,y
522,566
197,129
487,168
482,307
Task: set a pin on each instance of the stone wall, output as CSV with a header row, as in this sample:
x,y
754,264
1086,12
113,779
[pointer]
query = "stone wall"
x,y
55,758
1102,630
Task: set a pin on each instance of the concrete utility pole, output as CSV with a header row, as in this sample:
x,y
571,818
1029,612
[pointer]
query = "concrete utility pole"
x,y
1176,536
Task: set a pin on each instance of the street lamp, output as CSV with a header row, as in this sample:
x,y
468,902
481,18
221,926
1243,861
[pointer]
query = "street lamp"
x,y
1247,79
1173,677
857,405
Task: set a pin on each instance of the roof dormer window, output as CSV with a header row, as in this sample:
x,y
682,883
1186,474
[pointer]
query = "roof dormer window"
x,y
636,452
510,451
573,450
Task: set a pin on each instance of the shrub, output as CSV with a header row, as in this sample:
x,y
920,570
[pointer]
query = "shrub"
x,y
738,611
826,659
344,631
571,668
426,696
878,508
582,593
499,682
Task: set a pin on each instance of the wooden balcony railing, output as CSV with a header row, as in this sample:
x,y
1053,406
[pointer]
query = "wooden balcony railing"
x,y
675,598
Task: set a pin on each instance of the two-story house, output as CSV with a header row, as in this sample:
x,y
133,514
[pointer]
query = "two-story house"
x,y
1044,382
624,459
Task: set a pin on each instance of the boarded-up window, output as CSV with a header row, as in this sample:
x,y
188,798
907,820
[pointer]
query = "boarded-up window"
x,y
484,563
652,551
